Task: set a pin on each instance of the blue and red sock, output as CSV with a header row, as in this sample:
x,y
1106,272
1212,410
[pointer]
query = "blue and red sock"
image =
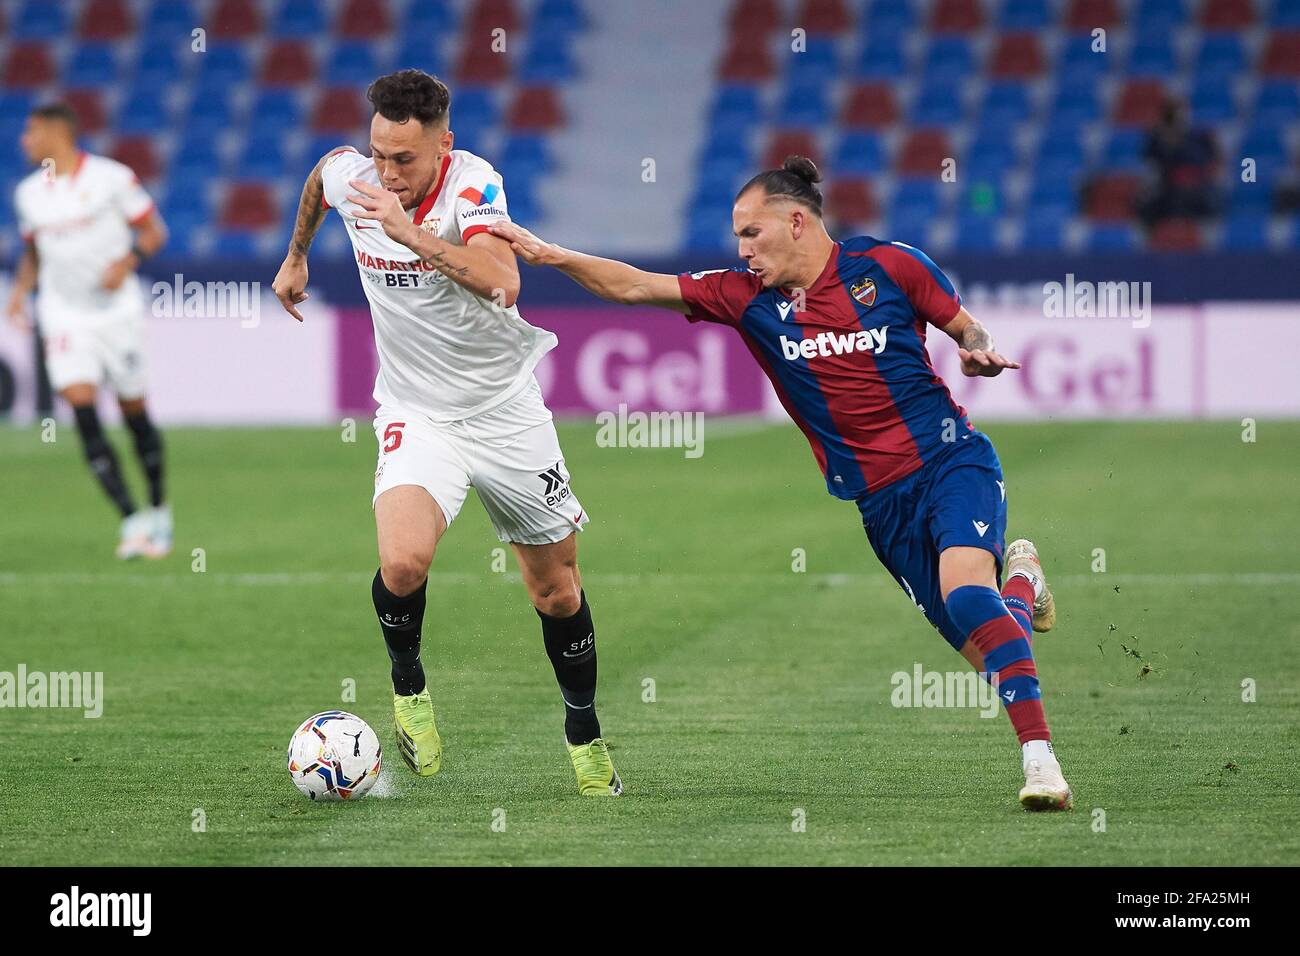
x,y
1018,596
1002,640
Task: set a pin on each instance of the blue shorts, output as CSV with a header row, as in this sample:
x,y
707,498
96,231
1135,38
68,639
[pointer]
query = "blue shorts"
x,y
956,500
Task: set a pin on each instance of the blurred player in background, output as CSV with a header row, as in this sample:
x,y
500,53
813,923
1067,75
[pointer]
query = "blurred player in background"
x,y
87,224
839,328
459,405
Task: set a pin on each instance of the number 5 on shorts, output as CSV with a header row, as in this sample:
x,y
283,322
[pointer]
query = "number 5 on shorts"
x,y
393,436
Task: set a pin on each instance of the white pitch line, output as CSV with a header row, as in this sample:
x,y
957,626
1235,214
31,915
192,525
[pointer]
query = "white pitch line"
x,y
615,579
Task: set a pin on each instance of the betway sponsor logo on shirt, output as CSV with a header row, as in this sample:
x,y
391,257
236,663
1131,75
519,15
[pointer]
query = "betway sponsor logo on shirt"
x,y
835,343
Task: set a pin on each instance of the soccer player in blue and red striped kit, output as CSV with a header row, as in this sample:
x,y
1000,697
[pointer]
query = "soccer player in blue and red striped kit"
x,y
839,328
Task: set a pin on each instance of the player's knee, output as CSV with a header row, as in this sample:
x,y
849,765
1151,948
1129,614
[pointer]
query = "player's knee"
x,y
557,598
404,574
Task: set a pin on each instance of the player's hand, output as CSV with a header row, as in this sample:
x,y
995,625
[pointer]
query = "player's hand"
x,y
16,312
534,251
384,208
117,272
290,284
984,362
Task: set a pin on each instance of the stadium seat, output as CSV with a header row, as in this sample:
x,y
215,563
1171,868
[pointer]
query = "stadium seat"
x,y
168,21
760,15
1158,17
1281,55
39,20
1245,230
535,108
956,16
851,200
479,64
352,62
791,143
1111,197
28,66
235,20
892,18
1124,150
977,233
880,58
248,205
338,109
1076,104
923,152
1017,55
1153,56
823,16
1079,63
104,20
1221,55
1228,14
1175,235
1087,15
157,65
547,63
1285,14
859,153
1113,237
818,63
93,64
364,19
550,13
936,104
142,111
1139,103
1211,100
1006,104
1277,101
299,20
138,153
1024,15
89,108
224,65
287,63
869,106
949,58
486,15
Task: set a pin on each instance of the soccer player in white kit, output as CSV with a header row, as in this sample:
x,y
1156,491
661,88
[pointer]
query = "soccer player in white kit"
x,y
459,406
87,224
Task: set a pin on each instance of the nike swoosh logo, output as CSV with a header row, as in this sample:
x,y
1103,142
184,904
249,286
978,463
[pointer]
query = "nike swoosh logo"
x,y
359,226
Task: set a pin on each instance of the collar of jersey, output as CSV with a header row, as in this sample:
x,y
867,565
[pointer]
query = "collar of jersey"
x,y
432,198
821,279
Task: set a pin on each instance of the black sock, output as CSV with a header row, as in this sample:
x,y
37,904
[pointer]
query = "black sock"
x,y
99,454
400,618
149,449
571,646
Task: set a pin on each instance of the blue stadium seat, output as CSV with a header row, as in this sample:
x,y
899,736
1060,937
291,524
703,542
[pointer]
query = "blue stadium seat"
x,y
1153,56
881,58
949,58
1079,64
989,157
1212,101
976,232
567,13
168,21
299,19
919,196
1113,237
1220,55
1265,145
1255,198
261,159
1245,230
545,63
157,65
1158,17
236,244
888,17
352,64
14,109
860,152
93,65
1123,152
421,52
475,105
39,20
223,65
1025,15
208,112
937,104
1076,103
1043,233
910,225
1006,105
818,63
805,104
527,154
1278,101
736,109
142,111
1286,13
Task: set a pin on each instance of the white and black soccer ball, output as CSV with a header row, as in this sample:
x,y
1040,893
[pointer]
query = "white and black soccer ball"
x,y
334,756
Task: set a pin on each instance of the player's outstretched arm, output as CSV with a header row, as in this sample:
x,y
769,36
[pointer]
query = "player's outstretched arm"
x,y
24,283
607,278
975,346
291,281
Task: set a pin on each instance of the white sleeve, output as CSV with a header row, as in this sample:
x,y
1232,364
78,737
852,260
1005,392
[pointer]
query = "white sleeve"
x,y
340,166
480,201
25,228
131,198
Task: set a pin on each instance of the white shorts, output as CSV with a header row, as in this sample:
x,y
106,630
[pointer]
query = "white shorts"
x,y
109,353
511,456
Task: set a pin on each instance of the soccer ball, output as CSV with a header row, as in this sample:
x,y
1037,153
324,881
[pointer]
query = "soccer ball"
x,y
334,756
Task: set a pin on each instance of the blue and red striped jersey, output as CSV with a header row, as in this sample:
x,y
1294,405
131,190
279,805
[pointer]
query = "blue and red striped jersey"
x,y
850,367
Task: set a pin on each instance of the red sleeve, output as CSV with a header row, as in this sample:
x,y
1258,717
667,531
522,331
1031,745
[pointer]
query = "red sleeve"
x,y
928,289
718,296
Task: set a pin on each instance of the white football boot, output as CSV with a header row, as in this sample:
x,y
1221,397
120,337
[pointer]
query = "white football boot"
x,y
160,533
1022,558
134,537
1045,787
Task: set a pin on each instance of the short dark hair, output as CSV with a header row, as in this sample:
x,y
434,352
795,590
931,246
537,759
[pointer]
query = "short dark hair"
x,y
410,94
59,111
794,181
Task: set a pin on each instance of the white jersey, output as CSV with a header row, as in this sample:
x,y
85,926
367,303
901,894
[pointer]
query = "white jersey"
x,y
81,222
444,352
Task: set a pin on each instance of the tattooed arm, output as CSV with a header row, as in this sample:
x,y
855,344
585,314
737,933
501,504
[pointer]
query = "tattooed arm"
x,y
485,265
291,281
975,346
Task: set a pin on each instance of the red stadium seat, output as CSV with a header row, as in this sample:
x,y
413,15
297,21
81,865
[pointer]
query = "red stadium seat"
x,y
869,106
746,62
535,108
487,15
235,20
823,16
956,16
1281,55
365,19
1176,235
89,109
754,17
287,63
338,110
104,20
480,65
851,200
138,153
1227,14
1139,103
1084,16
1111,196
249,206
923,153
1017,55
29,64
791,143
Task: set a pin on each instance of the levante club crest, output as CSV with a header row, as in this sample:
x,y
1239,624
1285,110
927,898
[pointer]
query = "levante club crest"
x,y
864,292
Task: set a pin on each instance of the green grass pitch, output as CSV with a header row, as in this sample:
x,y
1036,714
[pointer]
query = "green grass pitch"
x,y
771,687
